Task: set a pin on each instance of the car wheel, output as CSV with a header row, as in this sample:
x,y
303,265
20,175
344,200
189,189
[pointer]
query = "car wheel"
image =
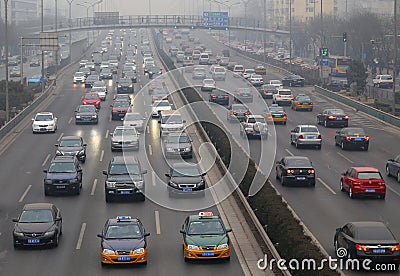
x,y
382,196
291,141
387,171
282,180
103,264
83,160
78,191
341,186
56,239
349,255
319,147
351,195
336,247
46,193
108,198
297,145
366,148
398,176
325,123
343,146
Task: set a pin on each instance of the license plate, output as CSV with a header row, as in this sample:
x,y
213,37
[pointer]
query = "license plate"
x,y
121,114
301,178
125,192
206,254
370,190
277,116
42,129
125,145
338,118
310,137
33,241
378,250
60,186
239,114
357,139
220,97
186,190
124,258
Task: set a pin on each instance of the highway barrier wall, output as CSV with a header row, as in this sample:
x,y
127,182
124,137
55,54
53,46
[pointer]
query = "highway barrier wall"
x,y
384,116
284,230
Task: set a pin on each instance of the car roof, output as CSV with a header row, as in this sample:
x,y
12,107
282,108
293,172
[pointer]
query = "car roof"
x,y
71,137
64,158
37,206
45,113
120,159
368,224
297,157
365,169
307,126
125,127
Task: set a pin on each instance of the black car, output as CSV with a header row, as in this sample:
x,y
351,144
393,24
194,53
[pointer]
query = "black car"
x,y
293,80
72,146
154,72
295,170
106,73
393,167
352,137
333,117
39,224
90,80
237,112
267,91
125,85
64,175
177,144
131,75
184,179
370,240
337,85
124,179
123,241
86,114
219,97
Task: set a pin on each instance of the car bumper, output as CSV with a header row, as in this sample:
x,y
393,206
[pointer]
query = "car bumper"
x,y
86,120
337,122
62,188
43,129
356,144
304,107
120,146
220,101
212,254
33,242
79,81
369,191
133,258
310,142
299,179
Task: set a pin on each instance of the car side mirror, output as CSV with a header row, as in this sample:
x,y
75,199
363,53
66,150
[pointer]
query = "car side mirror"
x,y
105,172
391,160
100,235
146,234
167,175
292,130
159,122
111,105
84,145
338,230
203,174
79,170
45,171
338,131
183,231
228,230
33,119
277,162
58,219
144,171
15,220
345,173
56,145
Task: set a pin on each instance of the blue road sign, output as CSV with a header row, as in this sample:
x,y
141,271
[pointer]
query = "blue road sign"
x,y
215,19
324,62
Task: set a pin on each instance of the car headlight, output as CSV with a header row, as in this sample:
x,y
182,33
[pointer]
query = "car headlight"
x,y
222,246
188,149
173,184
138,250
81,152
170,149
50,125
119,85
73,181
49,233
192,247
77,117
18,233
48,181
110,184
59,152
130,85
139,184
108,251
94,116
201,183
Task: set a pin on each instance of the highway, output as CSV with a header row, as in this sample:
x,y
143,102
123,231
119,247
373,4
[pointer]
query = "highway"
x,y
325,207
85,215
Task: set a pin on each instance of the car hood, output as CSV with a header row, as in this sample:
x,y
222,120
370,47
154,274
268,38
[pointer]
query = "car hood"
x,y
34,227
186,179
86,113
60,176
177,145
134,123
124,178
70,149
206,240
123,244
120,108
124,138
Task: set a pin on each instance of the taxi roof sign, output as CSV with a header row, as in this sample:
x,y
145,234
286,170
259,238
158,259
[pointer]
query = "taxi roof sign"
x,y
122,218
206,214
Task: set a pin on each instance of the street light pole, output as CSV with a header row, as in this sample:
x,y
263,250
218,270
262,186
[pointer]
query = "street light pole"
x,y
395,59
70,26
245,2
6,49
265,29
290,35
42,30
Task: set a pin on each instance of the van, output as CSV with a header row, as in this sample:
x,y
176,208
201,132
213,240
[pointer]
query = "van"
x,y
170,122
238,70
204,59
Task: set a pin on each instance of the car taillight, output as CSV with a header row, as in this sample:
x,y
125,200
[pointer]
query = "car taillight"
x,y
247,113
284,116
278,96
331,117
247,124
301,137
348,138
226,97
311,171
319,136
289,171
213,96
233,112
346,117
238,94
362,247
395,248
366,138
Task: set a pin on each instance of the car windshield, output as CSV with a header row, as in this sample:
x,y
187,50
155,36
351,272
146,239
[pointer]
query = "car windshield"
x,y
159,92
355,132
336,112
369,175
120,169
186,171
238,107
133,117
121,104
276,109
286,93
243,90
70,143
79,74
175,139
123,231
206,227
374,233
219,70
87,109
36,216
44,118
172,119
249,71
125,131
309,129
162,103
255,120
386,77
303,98
91,96
62,167
298,162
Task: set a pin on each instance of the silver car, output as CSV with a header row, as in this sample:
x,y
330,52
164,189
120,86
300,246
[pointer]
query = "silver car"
x,y
124,137
306,135
135,120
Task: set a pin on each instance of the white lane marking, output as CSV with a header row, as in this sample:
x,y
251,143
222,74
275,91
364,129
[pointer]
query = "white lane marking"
x,y
94,187
141,86
107,133
70,120
145,114
109,119
25,193
158,227
144,103
61,135
393,190
150,150
153,178
288,151
79,243
348,159
148,129
326,186
101,156
46,159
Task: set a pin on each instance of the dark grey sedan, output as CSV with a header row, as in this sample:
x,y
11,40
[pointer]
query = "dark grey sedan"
x,y
177,144
185,179
72,146
86,114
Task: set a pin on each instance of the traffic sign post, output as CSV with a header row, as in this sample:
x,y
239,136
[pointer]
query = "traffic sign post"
x,y
215,19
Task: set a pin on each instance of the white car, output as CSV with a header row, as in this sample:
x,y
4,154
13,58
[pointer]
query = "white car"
x,y
282,97
159,106
79,77
247,73
208,85
44,122
256,80
276,83
219,73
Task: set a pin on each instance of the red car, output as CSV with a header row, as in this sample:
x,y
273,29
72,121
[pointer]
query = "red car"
x,y
363,181
119,109
91,98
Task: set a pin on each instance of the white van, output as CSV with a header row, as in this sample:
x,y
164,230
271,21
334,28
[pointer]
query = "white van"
x,y
170,122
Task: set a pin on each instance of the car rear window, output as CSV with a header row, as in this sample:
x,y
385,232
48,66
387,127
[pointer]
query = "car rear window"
x,y
287,93
369,175
374,233
298,162
309,129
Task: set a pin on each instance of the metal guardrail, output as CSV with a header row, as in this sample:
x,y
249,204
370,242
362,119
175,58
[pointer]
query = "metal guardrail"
x,y
384,116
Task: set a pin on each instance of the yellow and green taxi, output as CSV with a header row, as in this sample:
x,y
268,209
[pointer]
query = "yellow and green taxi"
x,y
302,102
123,241
205,237
276,114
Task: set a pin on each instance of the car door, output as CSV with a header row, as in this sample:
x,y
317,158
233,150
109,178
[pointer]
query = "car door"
x,y
294,135
57,214
348,179
279,166
346,237
394,165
